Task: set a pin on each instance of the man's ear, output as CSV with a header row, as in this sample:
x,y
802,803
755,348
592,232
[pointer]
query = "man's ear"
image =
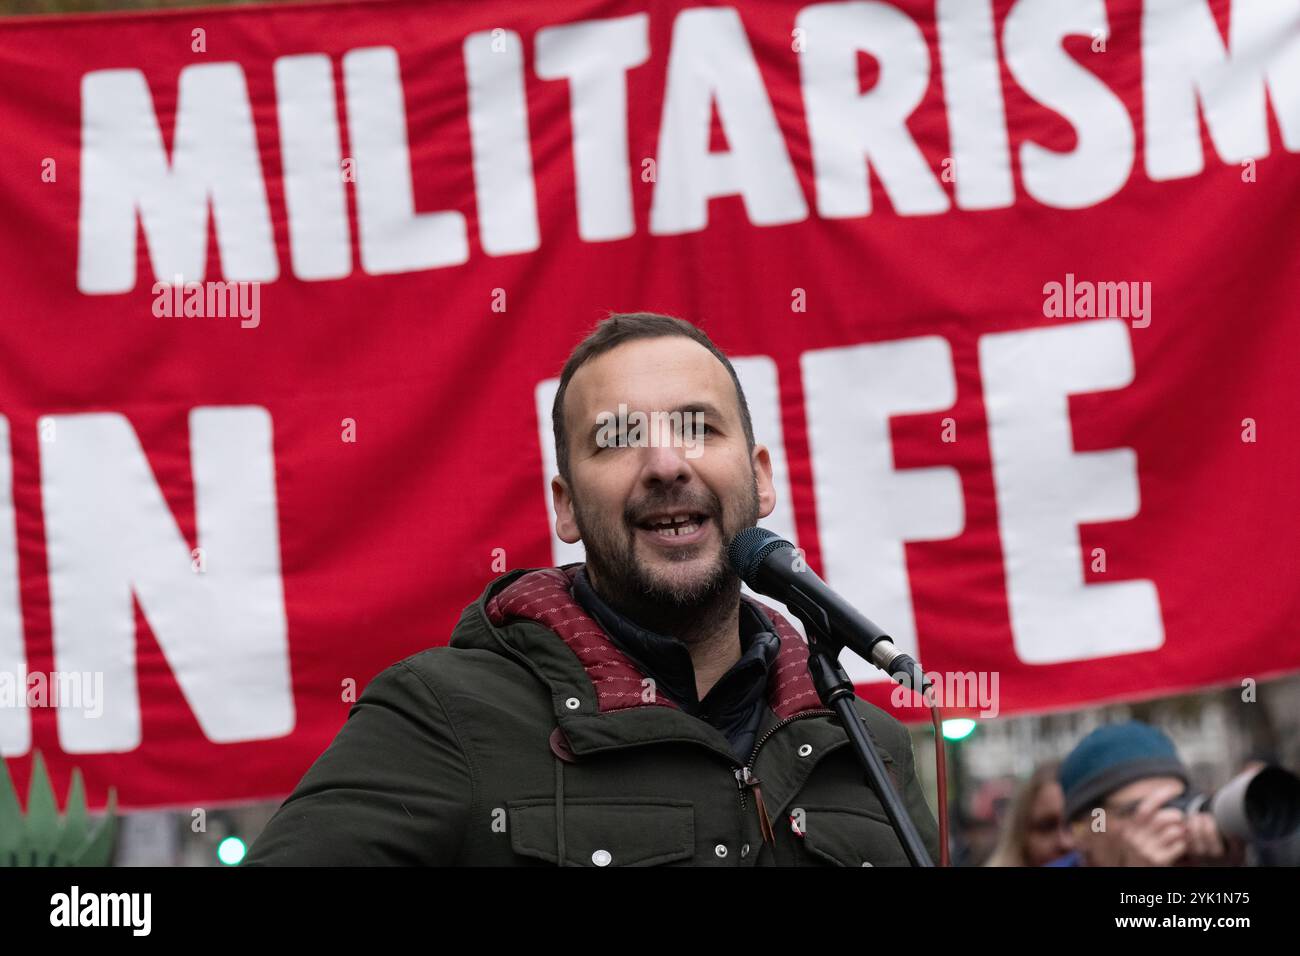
x,y
566,526
762,462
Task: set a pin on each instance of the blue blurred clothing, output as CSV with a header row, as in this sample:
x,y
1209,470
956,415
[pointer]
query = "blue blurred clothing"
x,y
1073,858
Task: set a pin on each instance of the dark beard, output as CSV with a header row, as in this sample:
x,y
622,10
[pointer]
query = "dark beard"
x,y
624,583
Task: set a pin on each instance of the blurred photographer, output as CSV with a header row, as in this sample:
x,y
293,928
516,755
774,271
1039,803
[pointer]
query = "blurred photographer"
x,y
1122,786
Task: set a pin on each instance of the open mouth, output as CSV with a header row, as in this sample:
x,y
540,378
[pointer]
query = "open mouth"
x,y
681,527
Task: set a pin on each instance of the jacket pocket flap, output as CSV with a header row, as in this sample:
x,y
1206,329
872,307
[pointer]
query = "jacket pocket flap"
x,y
605,832
850,836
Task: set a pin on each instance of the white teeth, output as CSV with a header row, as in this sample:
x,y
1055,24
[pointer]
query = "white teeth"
x,y
673,531
676,521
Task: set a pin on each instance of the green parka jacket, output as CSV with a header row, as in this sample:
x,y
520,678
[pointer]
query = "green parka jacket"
x,y
531,739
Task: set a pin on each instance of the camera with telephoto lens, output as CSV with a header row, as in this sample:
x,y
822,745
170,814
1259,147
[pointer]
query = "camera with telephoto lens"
x,y
1260,805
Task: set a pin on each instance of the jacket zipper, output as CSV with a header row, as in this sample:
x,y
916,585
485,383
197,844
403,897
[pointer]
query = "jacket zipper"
x,y
745,775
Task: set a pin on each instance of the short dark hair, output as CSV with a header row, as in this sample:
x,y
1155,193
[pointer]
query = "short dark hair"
x,y
613,331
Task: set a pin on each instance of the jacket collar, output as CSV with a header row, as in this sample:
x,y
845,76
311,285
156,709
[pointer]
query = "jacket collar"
x,y
545,596
668,660
597,691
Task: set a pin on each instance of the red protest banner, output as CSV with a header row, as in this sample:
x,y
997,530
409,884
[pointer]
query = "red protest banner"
x,y
1011,288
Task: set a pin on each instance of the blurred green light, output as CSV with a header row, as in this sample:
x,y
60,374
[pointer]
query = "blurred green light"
x,y
959,728
231,850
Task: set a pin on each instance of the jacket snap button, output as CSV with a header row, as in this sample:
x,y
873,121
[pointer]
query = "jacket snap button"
x,y
865,863
721,850
601,858
805,750
573,703
744,851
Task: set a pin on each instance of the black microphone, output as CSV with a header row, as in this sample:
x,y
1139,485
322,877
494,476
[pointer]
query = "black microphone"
x,y
770,565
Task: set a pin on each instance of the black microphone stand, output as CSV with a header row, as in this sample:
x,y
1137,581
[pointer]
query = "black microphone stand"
x,y
836,691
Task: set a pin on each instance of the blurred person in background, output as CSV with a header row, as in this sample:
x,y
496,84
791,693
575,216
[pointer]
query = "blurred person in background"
x,y
1117,783
1035,832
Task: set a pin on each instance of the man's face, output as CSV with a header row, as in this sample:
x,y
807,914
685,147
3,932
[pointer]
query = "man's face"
x,y
1105,847
621,497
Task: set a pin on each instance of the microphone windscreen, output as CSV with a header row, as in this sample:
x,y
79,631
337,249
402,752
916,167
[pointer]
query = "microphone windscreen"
x,y
748,549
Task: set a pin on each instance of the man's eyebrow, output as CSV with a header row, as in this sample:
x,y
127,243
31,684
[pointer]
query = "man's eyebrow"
x,y
702,407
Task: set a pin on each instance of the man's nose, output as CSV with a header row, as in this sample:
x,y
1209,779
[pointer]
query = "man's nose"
x,y
664,458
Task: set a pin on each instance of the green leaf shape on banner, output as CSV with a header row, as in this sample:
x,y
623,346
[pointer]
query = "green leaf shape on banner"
x,y
44,837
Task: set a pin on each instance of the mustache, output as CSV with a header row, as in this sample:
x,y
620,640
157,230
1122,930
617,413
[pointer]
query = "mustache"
x,y
641,512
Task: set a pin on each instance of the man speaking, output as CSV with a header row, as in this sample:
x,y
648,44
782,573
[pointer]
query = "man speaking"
x,y
629,711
